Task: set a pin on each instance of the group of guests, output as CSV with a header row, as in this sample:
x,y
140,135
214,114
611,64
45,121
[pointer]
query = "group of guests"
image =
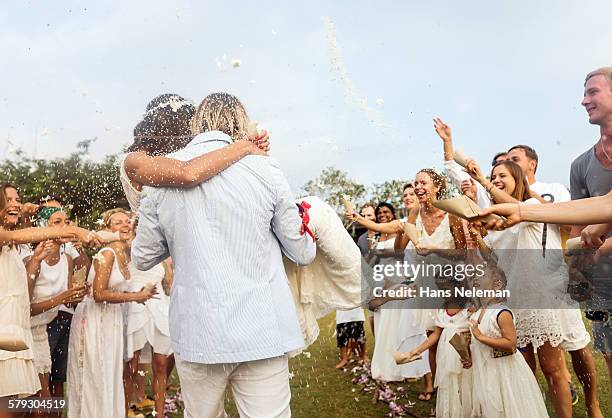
x,y
523,252
158,289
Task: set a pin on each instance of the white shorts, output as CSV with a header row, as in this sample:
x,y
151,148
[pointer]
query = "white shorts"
x,y
574,333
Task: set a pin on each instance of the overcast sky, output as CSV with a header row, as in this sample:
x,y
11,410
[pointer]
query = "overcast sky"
x,y
353,84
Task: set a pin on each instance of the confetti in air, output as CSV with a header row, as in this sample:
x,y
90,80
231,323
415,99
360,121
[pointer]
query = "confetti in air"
x,y
380,102
353,95
236,63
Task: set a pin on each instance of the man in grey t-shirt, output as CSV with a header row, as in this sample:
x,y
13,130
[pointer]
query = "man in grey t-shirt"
x,y
591,175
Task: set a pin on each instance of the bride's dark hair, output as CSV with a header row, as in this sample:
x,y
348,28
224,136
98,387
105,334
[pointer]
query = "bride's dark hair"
x,y
165,126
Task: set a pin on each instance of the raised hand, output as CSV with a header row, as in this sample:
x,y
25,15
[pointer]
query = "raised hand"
x,y
443,130
468,188
42,250
351,216
473,169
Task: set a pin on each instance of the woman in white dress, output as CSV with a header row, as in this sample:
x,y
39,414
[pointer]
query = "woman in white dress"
x,y
441,239
95,354
400,333
51,272
393,328
18,375
147,329
537,329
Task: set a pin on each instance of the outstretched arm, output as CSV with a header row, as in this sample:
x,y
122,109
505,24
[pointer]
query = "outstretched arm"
x,y
594,210
429,342
392,227
160,171
29,235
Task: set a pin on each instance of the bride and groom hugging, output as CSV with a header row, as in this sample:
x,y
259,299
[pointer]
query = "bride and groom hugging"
x,y
232,316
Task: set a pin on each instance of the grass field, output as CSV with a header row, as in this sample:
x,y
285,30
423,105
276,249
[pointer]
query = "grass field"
x,y
319,390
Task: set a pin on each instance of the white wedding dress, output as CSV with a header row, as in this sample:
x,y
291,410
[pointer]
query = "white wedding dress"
x,y
95,354
333,281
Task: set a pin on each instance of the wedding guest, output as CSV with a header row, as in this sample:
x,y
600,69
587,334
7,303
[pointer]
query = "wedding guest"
x,y
147,329
350,335
364,240
18,375
575,336
503,384
499,157
95,354
452,378
537,329
51,271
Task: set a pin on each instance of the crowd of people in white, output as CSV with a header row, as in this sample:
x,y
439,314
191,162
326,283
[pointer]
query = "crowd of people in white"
x,y
218,270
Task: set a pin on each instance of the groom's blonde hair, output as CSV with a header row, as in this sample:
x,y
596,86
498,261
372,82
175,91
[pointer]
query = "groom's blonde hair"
x,y
221,112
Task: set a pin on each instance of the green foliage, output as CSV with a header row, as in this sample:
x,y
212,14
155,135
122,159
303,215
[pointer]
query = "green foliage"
x,y
86,187
332,184
390,191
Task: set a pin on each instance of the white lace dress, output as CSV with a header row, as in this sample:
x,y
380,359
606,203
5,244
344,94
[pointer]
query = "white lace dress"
x,y
441,238
333,281
454,383
18,376
519,255
95,354
504,387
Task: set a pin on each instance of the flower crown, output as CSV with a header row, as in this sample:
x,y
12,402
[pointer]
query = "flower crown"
x,y
174,102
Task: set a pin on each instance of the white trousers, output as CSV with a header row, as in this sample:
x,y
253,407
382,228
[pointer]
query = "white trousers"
x,y
260,388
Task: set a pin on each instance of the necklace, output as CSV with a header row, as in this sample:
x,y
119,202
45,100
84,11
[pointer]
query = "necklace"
x,y
605,153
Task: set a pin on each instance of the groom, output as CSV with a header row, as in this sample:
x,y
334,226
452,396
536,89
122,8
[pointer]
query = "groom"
x,y
232,317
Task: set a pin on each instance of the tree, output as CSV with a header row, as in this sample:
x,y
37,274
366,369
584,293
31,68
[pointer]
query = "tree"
x,y
390,191
331,185
86,187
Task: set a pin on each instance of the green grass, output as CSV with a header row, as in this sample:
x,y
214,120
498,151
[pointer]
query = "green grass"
x,y
319,390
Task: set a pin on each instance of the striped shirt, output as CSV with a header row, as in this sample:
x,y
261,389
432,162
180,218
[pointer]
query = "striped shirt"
x,y
230,300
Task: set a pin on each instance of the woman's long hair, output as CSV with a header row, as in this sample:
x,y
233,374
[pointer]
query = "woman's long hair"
x,y
221,112
521,191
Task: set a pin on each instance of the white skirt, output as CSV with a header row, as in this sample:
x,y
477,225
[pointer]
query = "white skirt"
x,y
41,349
150,335
395,332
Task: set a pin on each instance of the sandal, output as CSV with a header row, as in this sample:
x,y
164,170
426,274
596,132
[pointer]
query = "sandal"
x,y
425,396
